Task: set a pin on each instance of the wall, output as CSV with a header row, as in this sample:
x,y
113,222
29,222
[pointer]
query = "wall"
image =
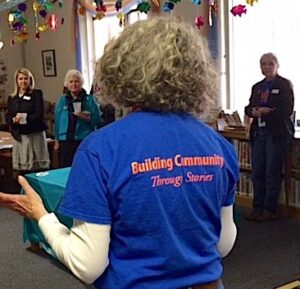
x,y
29,54
189,11
62,41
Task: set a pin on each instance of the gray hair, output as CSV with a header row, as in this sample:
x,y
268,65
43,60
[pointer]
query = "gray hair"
x,y
160,64
73,72
271,55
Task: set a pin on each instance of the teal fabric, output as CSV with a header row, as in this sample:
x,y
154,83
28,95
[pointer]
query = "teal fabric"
x,y
51,186
83,128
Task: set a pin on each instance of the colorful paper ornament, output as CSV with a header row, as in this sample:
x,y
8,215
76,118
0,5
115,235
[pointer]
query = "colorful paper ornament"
x,y
168,6
53,22
42,8
43,13
42,27
199,21
99,16
82,11
250,2
144,7
118,5
238,10
121,17
213,9
17,23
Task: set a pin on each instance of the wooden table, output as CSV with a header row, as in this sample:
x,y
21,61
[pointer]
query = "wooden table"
x,y
6,143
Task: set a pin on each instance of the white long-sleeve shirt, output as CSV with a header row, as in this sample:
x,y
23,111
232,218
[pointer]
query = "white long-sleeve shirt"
x,y
84,247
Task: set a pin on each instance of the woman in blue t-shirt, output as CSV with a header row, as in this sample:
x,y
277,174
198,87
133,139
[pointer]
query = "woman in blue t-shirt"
x,y
151,194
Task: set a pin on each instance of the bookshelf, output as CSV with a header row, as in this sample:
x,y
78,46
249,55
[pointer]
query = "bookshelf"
x,y
290,191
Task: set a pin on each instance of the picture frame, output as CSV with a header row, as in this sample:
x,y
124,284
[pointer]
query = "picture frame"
x,y
49,62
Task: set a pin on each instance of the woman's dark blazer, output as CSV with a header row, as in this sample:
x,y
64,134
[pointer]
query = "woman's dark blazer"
x,y
281,98
31,103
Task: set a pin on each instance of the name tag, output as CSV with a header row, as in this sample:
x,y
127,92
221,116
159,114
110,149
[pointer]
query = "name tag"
x,y
261,123
26,97
275,91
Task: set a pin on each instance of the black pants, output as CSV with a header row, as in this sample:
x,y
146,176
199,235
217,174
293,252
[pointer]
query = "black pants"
x,y
67,152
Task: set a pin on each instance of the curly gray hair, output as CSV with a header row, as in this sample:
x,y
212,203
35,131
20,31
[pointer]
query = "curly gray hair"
x,y
160,64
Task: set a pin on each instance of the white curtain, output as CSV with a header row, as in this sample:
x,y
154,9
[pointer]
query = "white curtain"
x,y
93,36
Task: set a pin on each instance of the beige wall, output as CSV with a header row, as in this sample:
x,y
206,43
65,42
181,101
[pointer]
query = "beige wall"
x,y
189,11
29,54
63,42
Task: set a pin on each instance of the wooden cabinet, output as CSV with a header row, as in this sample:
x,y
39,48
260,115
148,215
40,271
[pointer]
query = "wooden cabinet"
x,y
290,191
3,124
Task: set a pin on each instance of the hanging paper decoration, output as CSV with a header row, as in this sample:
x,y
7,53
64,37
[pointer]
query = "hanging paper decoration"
x,y
169,5
118,5
213,9
238,10
121,17
144,7
199,21
82,11
250,2
197,2
53,22
3,73
5,5
17,23
41,10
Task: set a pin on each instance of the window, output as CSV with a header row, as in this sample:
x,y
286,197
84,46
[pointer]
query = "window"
x,y
93,37
268,26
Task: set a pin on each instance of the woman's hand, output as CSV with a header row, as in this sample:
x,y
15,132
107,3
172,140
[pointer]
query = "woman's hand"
x,y
261,111
56,145
29,205
266,110
84,115
16,119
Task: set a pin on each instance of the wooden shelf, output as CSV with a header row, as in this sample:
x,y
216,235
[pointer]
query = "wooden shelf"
x,y
290,172
235,134
244,201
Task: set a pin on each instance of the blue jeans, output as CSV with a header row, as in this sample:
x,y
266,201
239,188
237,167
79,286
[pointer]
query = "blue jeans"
x,y
267,160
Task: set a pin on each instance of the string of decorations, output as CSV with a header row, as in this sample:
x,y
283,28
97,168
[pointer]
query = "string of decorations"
x,y
43,19
240,9
144,6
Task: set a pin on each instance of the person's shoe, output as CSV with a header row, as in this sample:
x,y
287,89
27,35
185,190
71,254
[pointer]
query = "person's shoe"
x,y
254,215
267,216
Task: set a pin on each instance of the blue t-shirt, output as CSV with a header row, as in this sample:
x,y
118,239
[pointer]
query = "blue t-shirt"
x,y
160,181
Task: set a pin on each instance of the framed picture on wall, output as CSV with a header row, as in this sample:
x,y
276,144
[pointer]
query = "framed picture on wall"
x,y
49,63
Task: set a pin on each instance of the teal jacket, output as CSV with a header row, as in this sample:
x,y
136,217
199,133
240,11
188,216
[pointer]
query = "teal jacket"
x,y
83,128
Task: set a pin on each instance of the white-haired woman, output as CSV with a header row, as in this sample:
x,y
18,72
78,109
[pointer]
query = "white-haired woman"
x,y
25,118
76,115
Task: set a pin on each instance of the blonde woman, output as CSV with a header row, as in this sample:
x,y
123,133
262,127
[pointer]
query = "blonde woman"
x,y
25,118
151,193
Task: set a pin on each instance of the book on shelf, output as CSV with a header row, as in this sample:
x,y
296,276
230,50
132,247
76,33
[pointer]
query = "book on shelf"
x,y
230,120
